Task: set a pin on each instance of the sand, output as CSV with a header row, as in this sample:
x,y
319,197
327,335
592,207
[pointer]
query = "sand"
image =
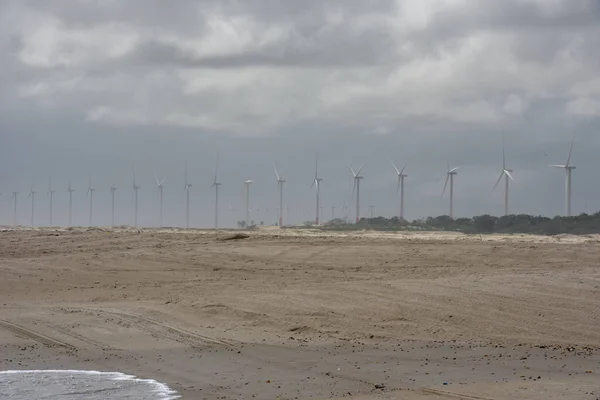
x,y
297,314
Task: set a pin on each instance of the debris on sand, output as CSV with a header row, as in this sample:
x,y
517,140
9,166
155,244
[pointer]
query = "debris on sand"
x,y
235,236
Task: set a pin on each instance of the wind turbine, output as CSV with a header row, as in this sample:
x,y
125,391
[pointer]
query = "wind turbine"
x,y
159,187
70,190
568,171
51,195
186,188
136,188
247,184
400,188
507,174
32,195
356,189
113,188
371,210
15,195
317,185
450,173
280,182
90,193
216,185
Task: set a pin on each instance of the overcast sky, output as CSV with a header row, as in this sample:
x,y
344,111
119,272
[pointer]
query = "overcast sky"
x,y
94,88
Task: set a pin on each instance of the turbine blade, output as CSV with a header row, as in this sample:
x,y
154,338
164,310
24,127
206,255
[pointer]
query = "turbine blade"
x,y
217,168
354,187
402,170
360,169
399,179
186,174
445,185
510,176
503,153
499,179
317,166
570,151
157,181
557,166
276,172
351,170
455,169
398,172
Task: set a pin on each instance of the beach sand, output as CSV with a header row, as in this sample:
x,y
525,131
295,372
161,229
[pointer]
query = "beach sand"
x,y
297,314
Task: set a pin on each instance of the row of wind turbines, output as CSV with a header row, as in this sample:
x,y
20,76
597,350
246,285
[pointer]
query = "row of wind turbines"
x,y
451,173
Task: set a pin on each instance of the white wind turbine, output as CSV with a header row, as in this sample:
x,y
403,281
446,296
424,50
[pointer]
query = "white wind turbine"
x,y
32,196
186,188
371,210
401,176
247,184
90,193
15,196
51,195
136,188
507,174
113,189
280,182
216,185
70,190
568,171
356,189
317,185
450,173
159,188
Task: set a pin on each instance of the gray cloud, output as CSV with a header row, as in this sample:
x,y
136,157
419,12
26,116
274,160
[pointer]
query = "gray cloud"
x,y
93,88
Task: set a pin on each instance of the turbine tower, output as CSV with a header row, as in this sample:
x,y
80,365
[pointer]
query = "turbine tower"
x,y
113,188
186,188
356,189
317,185
401,176
280,182
568,171
136,188
15,195
247,184
90,193
159,188
507,174
51,195
32,195
450,173
216,185
70,190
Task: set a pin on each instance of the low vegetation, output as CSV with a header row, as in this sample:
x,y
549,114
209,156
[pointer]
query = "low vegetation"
x,y
582,224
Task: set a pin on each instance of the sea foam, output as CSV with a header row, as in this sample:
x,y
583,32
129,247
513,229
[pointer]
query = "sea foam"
x,y
76,385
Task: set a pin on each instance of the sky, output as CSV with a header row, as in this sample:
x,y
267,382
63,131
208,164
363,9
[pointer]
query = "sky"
x,y
95,89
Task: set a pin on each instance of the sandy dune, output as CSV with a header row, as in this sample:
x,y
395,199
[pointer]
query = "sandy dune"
x,y
304,314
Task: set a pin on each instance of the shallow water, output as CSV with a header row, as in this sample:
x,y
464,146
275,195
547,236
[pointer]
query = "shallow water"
x,y
79,385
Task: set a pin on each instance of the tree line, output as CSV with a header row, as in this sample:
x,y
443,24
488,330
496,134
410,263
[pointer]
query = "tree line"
x,y
582,224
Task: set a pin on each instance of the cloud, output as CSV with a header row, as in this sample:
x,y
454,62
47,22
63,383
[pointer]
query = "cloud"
x,y
333,71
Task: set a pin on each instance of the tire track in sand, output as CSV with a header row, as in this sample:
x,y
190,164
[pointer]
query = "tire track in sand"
x,y
452,395
154,327
38,337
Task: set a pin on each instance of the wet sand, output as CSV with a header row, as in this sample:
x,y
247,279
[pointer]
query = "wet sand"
x,y
301,314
